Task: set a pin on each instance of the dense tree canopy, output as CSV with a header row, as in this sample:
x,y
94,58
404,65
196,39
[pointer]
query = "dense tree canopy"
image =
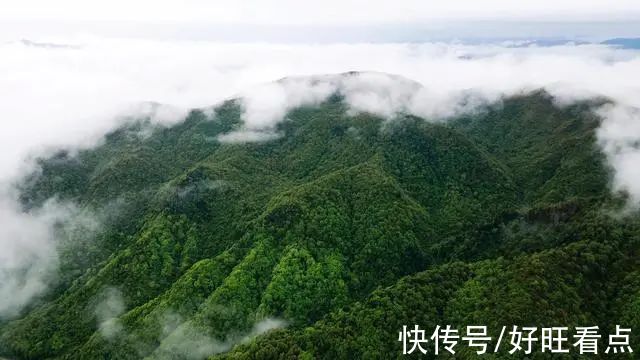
x,y
336,234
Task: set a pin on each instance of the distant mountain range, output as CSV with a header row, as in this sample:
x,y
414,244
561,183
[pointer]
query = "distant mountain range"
x,y
627,43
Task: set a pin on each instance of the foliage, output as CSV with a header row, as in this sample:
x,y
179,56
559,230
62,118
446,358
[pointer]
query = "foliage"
x,y
345,228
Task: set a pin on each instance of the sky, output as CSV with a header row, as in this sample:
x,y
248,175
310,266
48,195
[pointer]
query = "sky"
x,y
329,12
322,21
71,70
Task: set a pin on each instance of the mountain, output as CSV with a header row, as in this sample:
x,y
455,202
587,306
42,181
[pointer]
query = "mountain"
x,y
625,43
324,241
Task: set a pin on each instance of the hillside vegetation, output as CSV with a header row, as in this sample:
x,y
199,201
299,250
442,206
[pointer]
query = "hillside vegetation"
x,y
323,242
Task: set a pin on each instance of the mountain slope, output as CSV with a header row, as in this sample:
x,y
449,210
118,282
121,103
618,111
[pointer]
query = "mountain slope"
x,y
334,230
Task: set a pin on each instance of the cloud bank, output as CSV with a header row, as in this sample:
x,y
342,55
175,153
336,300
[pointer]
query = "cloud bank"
x,y
63,96
69,96
29,257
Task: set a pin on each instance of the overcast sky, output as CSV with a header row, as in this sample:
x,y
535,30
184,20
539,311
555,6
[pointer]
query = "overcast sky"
x,y
329,20
318,12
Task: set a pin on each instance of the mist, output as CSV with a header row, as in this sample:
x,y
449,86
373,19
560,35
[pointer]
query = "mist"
x,y
110,306
71,94
31,243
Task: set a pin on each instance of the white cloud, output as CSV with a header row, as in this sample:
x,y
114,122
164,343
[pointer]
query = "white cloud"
x,y
265,104
110,306
28,256
619,136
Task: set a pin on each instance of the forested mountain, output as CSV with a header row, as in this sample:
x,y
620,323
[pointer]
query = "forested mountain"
x,y
323,242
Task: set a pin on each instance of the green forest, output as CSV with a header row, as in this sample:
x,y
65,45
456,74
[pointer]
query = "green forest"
x,y
324,242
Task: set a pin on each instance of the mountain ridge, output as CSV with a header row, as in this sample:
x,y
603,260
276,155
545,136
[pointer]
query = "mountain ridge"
x,y
213,238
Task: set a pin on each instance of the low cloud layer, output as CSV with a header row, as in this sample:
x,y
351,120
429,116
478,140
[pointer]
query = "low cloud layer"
x,y
29,257
619,137
287,12
71,94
